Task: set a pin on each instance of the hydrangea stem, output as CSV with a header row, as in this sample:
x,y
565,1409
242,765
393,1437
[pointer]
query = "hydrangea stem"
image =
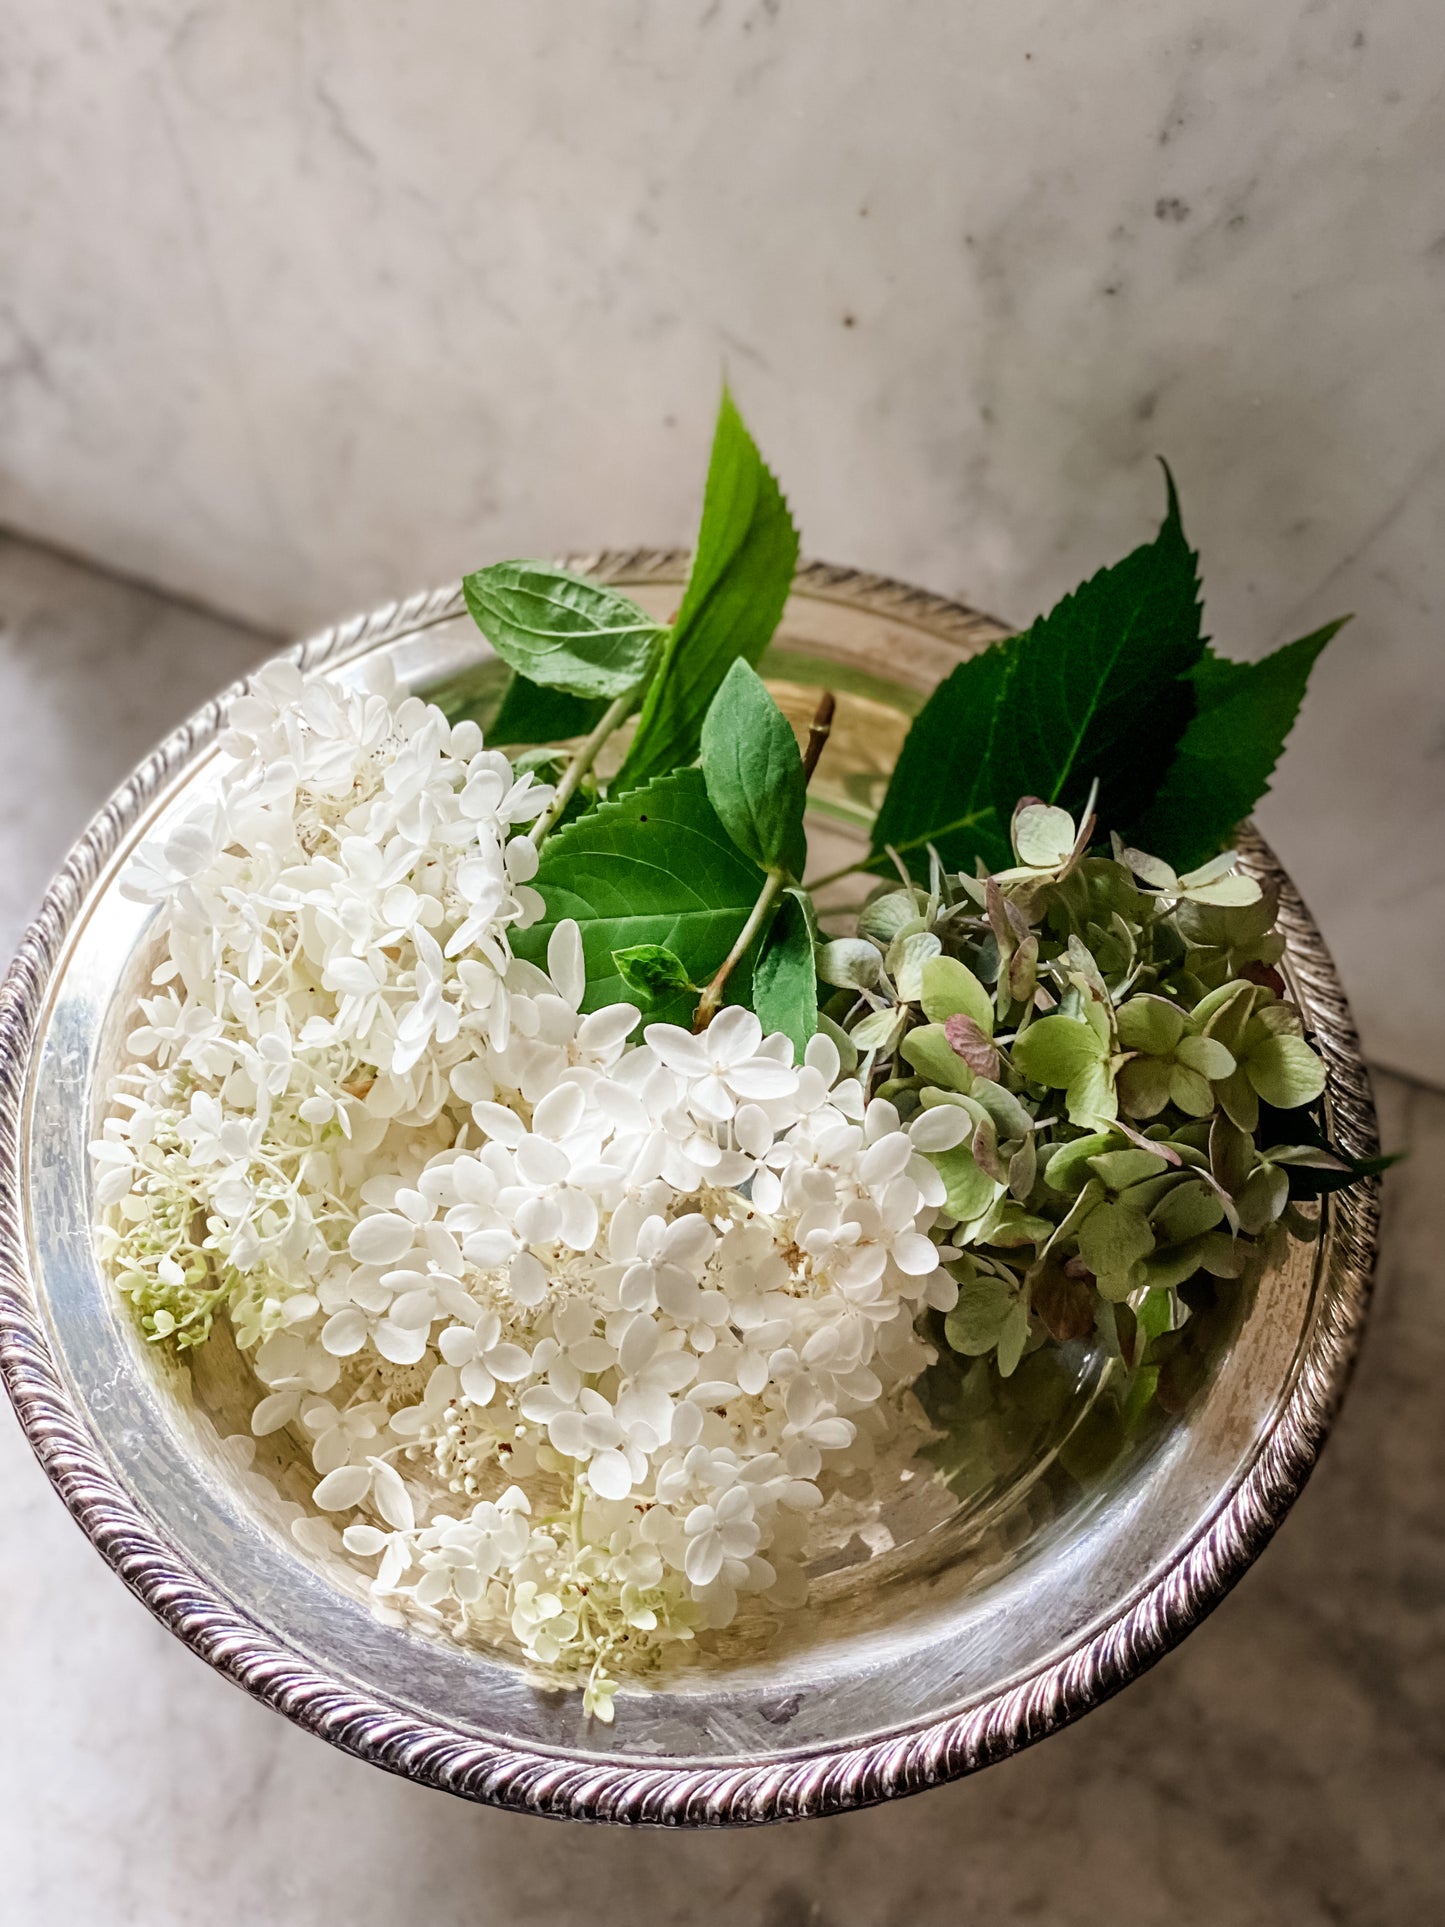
x,y
583,757
711,998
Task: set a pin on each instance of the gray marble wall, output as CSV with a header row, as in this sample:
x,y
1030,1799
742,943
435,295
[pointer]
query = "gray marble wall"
x,y
303,306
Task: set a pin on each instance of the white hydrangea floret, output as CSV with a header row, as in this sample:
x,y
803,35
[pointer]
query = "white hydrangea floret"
x,y
576,1331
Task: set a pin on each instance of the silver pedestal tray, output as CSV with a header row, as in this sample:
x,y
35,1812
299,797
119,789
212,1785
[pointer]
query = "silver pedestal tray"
x,y
984,1625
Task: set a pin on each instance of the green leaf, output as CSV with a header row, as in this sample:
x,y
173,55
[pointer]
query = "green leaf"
x,y
747,549
1113,1238
655,868
1013,1338
561,631
1119,1169
1009,1116
652,972
1205,1055
1095,689
1067,1168
1227,754
950,989
1091,1097
785,983
1285,1071
530,714
1150,1024
1263,1198
754,772
1056,1050
1188,1211
970,1188
979,1319
927,1049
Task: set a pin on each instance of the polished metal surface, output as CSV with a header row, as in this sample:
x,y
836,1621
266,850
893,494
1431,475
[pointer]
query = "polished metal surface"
x,y
985,1625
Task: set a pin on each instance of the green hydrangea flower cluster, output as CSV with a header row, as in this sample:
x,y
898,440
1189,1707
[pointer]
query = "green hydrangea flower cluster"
x,y
1109,1051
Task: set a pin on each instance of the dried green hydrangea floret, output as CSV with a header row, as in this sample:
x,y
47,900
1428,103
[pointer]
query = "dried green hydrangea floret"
x,y
1091,1041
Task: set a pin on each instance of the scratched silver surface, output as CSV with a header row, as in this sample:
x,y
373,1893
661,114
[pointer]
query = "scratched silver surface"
x,y
983,1633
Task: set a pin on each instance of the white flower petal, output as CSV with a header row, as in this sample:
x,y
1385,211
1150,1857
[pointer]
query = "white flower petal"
x,y
339,1491
381,1240
391,1497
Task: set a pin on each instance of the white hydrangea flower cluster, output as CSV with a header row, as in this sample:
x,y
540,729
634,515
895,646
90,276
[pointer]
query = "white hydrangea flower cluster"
x,y
577,1331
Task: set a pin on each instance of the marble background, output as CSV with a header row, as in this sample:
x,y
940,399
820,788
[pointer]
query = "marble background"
x,y
303,307
1283,1768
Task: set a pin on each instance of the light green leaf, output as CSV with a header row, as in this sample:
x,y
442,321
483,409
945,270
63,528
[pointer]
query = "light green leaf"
x,y
652,972
1264,1197
1227,1020
1013,1338
1119,1169
1307,1156
1205,1013
970,1190
1285,1071
1091,1097
1094,689
1043,835
1241,1105
880,1029
754,773
1205,1055
655,868
885,917
1143,1085
977,1321
1227,892
1150,1024
929,1052
1226,756
908,957
1056,1050
785,983
561,631
849,963
742,570
1188,1211
1193,1094
1009,1116
1113,1238
1068,1166
1150,870
950,989
1231,1154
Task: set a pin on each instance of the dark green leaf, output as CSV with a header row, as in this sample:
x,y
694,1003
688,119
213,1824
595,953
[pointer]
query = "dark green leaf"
x,y
560,630
1227,754
1095,689
473,692
655,868
1307,1128
530,714
747,549
754,773
785,983
653,972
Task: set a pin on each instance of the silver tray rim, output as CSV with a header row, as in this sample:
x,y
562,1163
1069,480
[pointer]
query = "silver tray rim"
x,y
709,1793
